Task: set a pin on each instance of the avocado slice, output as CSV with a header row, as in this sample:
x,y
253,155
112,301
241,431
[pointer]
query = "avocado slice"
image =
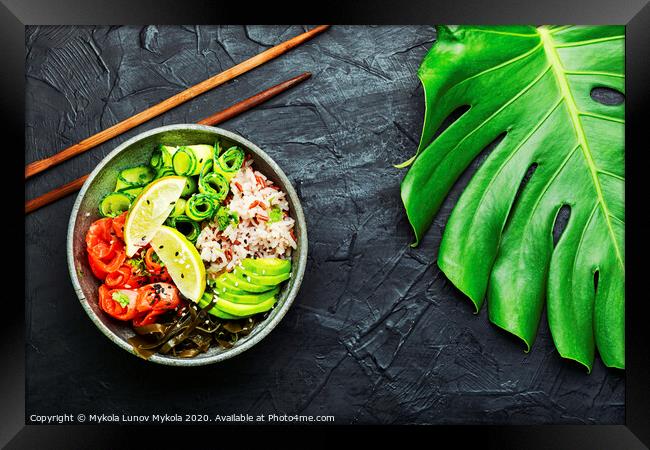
x,y
243,310
236,284
260,280
248,299
207,298
267,266
225,283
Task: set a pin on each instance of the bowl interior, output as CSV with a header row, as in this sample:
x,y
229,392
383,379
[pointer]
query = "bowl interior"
x,y
102,180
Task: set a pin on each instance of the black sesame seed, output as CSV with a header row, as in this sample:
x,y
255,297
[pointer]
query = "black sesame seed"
x,y
182,276
161,246
176,254
148,202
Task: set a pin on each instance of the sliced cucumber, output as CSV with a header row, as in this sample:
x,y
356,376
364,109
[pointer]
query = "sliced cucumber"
x,y
203,154
137,176
184,162
134,191
179,208
165,172
207,168
229,162
189,160
190,187
115,203
201,207
121,185
186,226
214,184
162,156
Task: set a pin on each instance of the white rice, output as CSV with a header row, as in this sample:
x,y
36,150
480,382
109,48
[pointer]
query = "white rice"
x,y
252,237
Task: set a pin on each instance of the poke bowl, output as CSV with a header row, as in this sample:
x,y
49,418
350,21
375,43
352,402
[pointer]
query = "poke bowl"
x,y
187,245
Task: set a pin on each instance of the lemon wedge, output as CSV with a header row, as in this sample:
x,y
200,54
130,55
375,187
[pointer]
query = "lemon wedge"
x,y
150,210
182,260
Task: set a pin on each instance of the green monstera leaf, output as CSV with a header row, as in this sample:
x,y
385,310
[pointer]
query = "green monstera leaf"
x,y
532,87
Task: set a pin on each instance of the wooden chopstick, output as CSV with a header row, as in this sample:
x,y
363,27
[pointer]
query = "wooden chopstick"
x,y
188,94
221,116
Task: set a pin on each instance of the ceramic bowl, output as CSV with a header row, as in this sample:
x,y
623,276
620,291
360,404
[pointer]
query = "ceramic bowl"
x,y
135,151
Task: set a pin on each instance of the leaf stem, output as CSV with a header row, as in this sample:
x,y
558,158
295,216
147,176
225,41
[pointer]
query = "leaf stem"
x,y
558,69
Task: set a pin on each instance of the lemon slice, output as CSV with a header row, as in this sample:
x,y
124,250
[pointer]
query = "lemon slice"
x,y
182,260
150,210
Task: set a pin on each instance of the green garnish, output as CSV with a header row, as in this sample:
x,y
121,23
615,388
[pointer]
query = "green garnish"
x,y
121,298
157,259
275,215
138,265
225,217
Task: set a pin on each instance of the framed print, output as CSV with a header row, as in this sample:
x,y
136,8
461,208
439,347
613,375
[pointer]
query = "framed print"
x,y
416,215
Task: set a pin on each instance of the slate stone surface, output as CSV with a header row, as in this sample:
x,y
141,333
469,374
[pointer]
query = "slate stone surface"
x,y
377,334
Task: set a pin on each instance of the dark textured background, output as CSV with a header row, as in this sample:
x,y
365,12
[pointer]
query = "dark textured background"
x,y
377,334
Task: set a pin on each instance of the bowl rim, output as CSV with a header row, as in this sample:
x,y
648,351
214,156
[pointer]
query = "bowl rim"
x,y
269,323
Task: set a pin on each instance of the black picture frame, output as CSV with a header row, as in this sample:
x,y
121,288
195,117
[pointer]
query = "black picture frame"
x,y
15,14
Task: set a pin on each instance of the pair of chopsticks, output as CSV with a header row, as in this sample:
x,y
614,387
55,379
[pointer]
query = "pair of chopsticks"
x,y
182,97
